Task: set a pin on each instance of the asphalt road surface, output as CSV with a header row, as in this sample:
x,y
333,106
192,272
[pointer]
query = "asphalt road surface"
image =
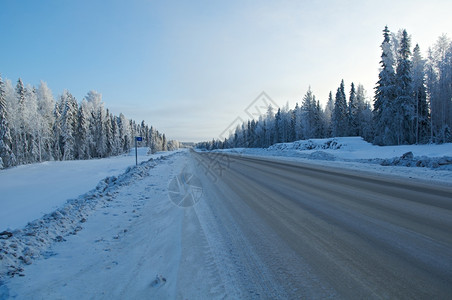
x,y
316,232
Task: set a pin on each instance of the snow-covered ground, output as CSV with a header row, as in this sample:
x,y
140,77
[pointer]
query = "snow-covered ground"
x,y
126,239
30,191
426,162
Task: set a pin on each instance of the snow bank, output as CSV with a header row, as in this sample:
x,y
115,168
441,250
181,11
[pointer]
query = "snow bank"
x,y
21,246
431,161
314,144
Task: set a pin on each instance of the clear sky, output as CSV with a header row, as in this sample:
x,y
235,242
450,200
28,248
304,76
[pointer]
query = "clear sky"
x,y
190,68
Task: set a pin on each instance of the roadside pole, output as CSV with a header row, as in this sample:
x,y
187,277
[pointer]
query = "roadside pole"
x,y
137,139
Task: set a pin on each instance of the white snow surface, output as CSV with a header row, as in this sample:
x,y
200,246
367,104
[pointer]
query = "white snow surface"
x,y
123,240
30,191
429,162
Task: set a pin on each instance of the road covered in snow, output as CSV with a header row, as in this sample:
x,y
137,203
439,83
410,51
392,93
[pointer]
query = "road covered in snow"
x,y
214,226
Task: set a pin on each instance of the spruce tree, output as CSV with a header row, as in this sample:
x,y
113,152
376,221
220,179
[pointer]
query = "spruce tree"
x,y
83,132
352,112
46,104
69,125
21,143
420,98
329,108
404,102
340,120
385,95
7,158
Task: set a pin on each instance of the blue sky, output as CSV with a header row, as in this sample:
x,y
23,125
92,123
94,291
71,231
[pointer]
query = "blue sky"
x,y
190,68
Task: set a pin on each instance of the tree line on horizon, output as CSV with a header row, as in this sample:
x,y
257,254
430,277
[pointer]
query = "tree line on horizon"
x,y
412,104
34,127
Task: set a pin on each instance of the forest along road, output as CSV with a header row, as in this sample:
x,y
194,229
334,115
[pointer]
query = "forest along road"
x,y
311,231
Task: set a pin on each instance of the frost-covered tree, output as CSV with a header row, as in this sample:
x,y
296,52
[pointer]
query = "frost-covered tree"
x,y
108,134
283,124
164,143
98,146
116,143
33,124
126,134
83,136
20,147
328,115
340,120
439,87
365,120
298,115
404,102
422,124
69,125
7,157
385,95
308,117
353,112
277,131
57,147
269,127
46,105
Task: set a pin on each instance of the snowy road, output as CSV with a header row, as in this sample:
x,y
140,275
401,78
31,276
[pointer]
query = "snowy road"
x,y
314,232
259,229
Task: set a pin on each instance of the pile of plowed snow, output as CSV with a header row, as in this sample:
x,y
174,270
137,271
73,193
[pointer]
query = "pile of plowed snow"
x,y
355,149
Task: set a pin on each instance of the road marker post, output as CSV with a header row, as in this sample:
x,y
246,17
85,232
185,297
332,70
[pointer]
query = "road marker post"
x,y
137,139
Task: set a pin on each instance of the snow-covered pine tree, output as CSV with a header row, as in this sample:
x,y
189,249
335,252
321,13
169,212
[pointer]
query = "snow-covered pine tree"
x,y
146,136
422,124
340,120
252,133
404,103
98,146
125,134
319,121
352,112
7,157
20,146
117,149
108,134
308,115
385,95
57,147
154,140
243,136
328,113
83,137
284,124
292,126
69,125
439,78
277,137
32,125
298,122
365,120
269,126
260,132
46,105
